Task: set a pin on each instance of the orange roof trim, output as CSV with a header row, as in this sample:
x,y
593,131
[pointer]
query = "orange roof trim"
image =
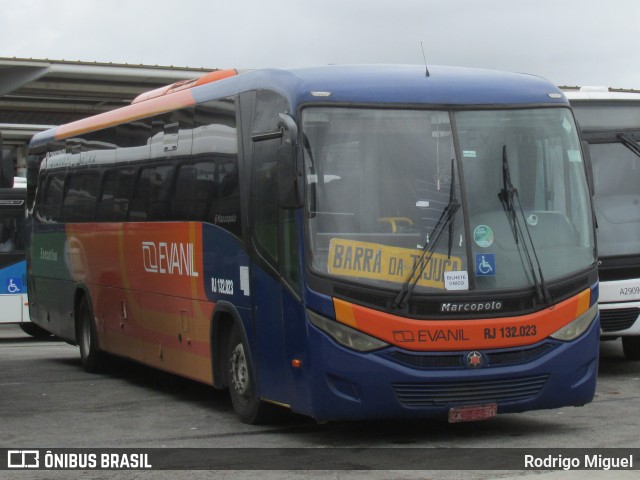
x,y
184,84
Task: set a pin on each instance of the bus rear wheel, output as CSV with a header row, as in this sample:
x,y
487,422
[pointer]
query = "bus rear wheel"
x,y
91,357
631,347
242,388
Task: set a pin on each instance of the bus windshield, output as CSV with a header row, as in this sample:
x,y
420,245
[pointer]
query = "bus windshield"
x,y
616,174
380,192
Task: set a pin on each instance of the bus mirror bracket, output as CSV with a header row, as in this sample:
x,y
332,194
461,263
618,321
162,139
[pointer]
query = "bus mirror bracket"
x,y
289,129
290,185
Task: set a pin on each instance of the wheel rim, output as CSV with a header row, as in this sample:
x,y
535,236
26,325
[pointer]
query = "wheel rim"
x,y
239,370
85,337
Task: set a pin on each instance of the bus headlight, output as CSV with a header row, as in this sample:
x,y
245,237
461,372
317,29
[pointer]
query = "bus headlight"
x,y
344,335
578,326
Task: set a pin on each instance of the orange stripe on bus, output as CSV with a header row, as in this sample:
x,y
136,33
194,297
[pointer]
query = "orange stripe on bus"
x,y
344,312
126,114
449,335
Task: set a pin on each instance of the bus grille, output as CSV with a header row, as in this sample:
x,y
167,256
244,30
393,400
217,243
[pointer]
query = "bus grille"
x,y
445,393
615,320
500,358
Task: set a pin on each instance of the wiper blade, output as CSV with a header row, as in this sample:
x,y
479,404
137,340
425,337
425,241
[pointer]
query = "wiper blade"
x,y
630,143
446,219
508,197
507,194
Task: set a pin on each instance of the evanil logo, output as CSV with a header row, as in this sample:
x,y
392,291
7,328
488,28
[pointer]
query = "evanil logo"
x,y
170,258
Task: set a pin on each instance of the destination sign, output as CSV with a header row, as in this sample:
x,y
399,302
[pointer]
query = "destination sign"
x,y
352,258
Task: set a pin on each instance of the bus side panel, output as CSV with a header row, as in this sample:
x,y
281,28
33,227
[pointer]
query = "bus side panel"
x,y
146,283
53,288
295,330
269,349
174,340
119,324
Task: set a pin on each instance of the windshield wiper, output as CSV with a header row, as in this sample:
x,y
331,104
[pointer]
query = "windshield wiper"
x,y
508,197
630,143
446,219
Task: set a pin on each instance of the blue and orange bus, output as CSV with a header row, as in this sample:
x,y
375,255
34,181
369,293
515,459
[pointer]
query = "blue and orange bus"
x,y
346,242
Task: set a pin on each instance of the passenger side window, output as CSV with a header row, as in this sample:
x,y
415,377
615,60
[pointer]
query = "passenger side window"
x,y
52,197
195,189
79,204
152,196
117,189
215,141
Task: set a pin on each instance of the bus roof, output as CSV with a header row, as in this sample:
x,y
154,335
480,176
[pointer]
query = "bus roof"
x,y
600,93
377,84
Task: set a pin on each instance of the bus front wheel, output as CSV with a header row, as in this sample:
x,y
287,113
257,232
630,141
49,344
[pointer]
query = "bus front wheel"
x,y
242,388
91,357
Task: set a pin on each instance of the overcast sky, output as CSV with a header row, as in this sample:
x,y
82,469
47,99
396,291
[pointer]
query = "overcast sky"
x,y
570,42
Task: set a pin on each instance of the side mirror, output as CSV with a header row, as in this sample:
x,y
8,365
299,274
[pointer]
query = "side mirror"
x,y
290,184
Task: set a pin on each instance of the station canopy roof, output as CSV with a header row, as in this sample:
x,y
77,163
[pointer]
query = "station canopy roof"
x,y
38,94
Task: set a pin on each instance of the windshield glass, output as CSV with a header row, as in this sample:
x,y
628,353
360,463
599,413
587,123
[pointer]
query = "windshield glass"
x,y
616,175
12,231
380,186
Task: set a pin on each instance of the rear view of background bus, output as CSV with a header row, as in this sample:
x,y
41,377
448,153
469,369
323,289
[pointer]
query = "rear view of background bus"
x,y
610,122
346,242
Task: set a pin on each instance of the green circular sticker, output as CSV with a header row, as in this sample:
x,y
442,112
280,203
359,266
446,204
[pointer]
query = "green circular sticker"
x,y
483,236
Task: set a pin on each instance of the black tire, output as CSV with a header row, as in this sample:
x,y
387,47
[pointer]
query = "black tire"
x,y
631,347
34,330
91,357
242,388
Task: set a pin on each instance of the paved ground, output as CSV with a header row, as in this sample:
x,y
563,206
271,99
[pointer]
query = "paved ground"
x,y
48,401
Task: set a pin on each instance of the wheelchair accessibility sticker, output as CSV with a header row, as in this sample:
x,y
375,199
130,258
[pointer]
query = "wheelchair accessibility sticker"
x,y
485,264
14,285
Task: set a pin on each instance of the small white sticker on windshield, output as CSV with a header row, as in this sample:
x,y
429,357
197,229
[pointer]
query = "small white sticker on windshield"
x,y
469,153
456,280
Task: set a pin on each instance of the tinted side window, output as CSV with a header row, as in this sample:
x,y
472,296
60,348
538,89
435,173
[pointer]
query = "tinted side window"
x,y
79,204
117,189
52,197
215,141
195,190
152,195
12,231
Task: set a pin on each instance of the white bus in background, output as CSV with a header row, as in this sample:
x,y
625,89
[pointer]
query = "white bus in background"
x,y
14,304
610,123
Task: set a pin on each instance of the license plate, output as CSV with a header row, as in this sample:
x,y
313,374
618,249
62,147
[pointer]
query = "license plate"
x,y
472,413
